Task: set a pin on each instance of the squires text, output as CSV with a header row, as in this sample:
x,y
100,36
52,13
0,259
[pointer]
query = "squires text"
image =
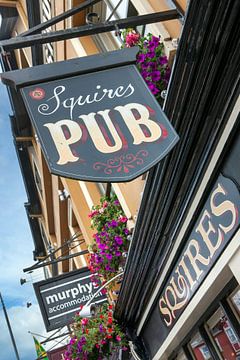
x,y
217,222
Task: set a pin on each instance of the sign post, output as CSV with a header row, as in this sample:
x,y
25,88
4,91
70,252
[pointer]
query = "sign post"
x,y
60,297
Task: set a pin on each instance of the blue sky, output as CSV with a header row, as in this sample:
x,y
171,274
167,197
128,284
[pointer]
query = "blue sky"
x,y
16,246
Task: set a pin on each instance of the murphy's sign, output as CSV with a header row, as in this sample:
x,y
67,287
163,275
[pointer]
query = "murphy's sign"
x,y
60,298
104,126
215,227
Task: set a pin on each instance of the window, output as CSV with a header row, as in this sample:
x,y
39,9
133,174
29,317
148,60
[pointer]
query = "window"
x,y
217,331
223,335
235,300
48,49
205,352
232,337
37,178
104,188
44,236
199,348
108,10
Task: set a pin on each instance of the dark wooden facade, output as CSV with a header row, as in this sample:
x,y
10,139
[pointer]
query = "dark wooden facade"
x,y
201,99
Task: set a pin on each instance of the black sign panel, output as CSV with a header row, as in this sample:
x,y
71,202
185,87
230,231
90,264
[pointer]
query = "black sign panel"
x,y
104,126
61,297
215,226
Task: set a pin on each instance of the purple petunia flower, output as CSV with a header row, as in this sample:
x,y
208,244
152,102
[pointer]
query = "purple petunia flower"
x,y
153,44
109,256
144,74
102,246
118,240
156,75
163,60
141,58
151,54
155,39
153,89
144,66
126,231
98,259
118,253
167,74
152,65
113,224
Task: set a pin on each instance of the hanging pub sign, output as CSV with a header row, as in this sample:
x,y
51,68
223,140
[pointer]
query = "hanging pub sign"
x,y
61,297
104,126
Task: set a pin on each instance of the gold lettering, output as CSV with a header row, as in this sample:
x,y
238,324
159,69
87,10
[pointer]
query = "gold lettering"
x,y
225,206
97,135
187,273
134,125
182,286
62,144
181,289
206,232
170,290
165,311
193,258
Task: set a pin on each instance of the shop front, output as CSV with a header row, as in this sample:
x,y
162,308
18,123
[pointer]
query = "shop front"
x,y
180,294
195,315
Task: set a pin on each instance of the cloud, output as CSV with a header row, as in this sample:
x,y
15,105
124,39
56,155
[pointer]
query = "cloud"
x,y
22,320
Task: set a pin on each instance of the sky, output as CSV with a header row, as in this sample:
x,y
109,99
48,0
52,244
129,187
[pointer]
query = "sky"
x,y
16,246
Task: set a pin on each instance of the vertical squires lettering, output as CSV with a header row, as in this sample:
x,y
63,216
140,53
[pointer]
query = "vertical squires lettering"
x,y
223,207
215,222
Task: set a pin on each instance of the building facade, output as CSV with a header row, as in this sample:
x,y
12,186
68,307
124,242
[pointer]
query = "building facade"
x,y
58,217
180,293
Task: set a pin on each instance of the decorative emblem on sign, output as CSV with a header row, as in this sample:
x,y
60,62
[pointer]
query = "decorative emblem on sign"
x,y
123,163
37,94
105,126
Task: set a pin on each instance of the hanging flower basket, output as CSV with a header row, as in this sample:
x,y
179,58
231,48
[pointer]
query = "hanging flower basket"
x,y
151,60
96,338
110,244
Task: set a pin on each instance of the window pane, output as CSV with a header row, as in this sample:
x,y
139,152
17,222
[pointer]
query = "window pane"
x,y
235,300
224,336
37,178
199,348
103,189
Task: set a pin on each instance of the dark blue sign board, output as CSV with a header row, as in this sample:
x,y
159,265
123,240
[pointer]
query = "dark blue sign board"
x,y
212,232
104,126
